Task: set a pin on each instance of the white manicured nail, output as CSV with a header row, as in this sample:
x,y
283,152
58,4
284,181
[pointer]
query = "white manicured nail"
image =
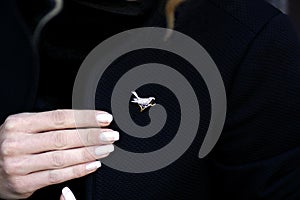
x,y
109,136
104,118
102,150
68,194
93,165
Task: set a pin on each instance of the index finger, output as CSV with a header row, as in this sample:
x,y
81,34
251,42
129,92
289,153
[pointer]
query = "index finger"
x,y
58,119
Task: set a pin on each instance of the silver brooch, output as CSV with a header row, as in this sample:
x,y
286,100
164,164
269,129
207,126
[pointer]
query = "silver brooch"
x,y
143,102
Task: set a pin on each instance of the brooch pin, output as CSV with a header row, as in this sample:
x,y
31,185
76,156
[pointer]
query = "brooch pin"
x,y
143,102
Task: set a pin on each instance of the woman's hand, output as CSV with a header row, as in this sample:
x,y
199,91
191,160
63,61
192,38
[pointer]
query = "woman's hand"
x,y
41,149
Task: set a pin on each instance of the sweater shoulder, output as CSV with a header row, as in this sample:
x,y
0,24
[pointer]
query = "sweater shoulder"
x,y
251,13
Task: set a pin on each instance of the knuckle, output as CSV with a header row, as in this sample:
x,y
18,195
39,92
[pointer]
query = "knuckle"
x,y
11,122
58,117
6,166
10,167
19,189
8,147
16,185
78,172
58,159
26,195
59,139
86,156
54,177
89,137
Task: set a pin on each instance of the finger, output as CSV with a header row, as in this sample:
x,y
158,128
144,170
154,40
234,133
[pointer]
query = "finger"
x,y
67,194
60,159
56,120
61,197
38,180
66,139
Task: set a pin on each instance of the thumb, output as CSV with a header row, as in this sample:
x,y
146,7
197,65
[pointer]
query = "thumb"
x,y
67,194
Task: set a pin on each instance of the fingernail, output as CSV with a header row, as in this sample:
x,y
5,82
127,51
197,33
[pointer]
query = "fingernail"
x,y
104,118
109,136
102,150
93,165
68,194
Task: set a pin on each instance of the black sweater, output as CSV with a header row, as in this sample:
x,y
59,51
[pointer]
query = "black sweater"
x,y
258,54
